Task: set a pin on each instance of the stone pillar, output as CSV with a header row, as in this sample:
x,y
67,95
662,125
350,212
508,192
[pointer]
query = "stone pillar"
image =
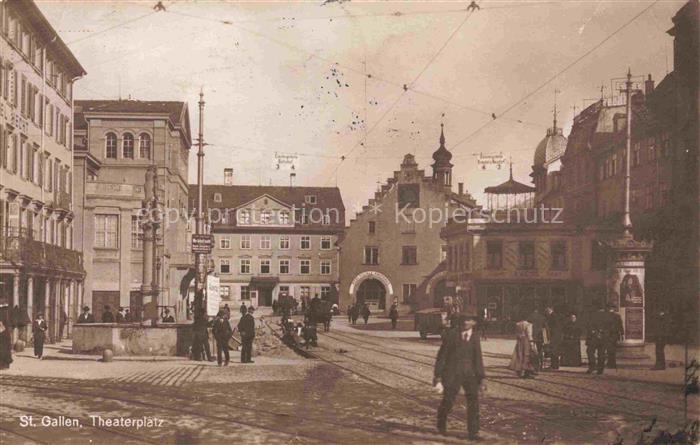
x,y
626,291
13,302
30,301
67,302
47,302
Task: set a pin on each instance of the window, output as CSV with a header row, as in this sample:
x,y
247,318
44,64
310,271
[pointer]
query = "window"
x,y
136,233
409,255
144,146
128,146
284,242
284,266
305,267
245,242
371,255
266,242
407,291
305,242
225,292
245,266
494,255
409,195
371,227
326,220
325,267
265,217
225,266
264,267
217,197
243,217
284,217
305,292
526,255
106,230
325,243
310,199
225,242
325,292
558,254
245,293
111,146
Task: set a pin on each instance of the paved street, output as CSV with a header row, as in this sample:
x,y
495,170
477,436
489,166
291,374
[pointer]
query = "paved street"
x,y
361,386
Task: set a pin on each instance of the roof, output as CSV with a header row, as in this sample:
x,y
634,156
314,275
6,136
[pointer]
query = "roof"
x,y
31,12
442,155
510,187
550,148
234,196
176,111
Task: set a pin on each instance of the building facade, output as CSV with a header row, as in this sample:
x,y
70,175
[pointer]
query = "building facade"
x,y
41,270
272,240
393,245
117,142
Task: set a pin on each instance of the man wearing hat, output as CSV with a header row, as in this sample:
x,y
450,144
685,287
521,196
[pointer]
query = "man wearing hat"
x,y
86,316
615,332
222,333
39,328
460,364
246,327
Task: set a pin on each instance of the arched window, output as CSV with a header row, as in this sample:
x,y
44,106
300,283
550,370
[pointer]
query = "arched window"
x,y
111,146
128,146
144,146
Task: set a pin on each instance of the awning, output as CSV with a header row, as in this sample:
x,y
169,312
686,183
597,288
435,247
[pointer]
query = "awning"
x,y
264,283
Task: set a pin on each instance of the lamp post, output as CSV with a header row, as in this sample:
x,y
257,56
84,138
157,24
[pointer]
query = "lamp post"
x,y
200,261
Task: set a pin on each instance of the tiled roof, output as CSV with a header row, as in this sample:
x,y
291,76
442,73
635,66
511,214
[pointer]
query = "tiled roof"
x,y
177,111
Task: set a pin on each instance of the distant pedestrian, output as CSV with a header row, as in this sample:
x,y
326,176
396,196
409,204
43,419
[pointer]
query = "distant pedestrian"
x,y
394,315
366,312
39,328
243,309
538,322
167,318
355,314
310,333
614,333
246,329
62,323
107,316
86,316
460,364
120,315
350,313
555,335
661,330
524,358
595,342
19,319
128,318
483,323
571,346
5,346
222,335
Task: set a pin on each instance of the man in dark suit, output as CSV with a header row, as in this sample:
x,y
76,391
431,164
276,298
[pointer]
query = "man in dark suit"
x,y
107,315
662,332
538,323
595,341
615,332
222,333
39,328
554,325
246,327
86,316
460,364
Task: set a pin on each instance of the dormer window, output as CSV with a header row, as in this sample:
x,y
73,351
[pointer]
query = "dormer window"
x,y
244,217
310,199
265,217
217,197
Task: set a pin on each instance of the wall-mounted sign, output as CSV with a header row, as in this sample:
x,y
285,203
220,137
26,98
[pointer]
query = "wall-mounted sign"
x,y
202,243
634,323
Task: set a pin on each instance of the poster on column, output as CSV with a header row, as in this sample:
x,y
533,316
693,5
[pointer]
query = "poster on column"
x,y
631,291
213,295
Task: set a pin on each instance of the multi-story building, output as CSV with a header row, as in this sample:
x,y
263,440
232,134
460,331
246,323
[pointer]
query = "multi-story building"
x,y
270,240
40,267
116,143
393,245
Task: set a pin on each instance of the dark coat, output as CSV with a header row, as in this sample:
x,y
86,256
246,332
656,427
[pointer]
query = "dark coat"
x,y
86,318
108,317
555,328
457,360
661,328
596,332
168,319
39,328
613,327
538,323
393,313
221,329
246,327
5,348
120,317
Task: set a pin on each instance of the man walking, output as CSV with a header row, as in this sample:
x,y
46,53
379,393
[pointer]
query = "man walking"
x,y
661,331
366,312
595,342
615,332
39,328
393,315
554,325
538,322
222,334
460,364
246,327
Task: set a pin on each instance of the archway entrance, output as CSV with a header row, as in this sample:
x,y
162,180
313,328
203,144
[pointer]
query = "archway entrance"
x,y
372,291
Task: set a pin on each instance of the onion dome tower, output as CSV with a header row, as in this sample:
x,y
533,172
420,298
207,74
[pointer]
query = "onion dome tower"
x,y
442,168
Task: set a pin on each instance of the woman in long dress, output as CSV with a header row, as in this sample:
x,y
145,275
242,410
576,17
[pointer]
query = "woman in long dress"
x,y
524,359
5,347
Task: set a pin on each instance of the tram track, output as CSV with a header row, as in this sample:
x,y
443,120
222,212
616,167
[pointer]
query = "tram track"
x,y
507,373
23,435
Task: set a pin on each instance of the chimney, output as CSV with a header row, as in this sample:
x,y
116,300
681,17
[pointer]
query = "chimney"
x,y
648,86
228,176
460,188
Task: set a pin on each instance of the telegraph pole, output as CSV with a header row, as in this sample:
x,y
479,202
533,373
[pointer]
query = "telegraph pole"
x,y
200,258
626,220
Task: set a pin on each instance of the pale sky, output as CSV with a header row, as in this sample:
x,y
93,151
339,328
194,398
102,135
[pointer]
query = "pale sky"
x,y
290,77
